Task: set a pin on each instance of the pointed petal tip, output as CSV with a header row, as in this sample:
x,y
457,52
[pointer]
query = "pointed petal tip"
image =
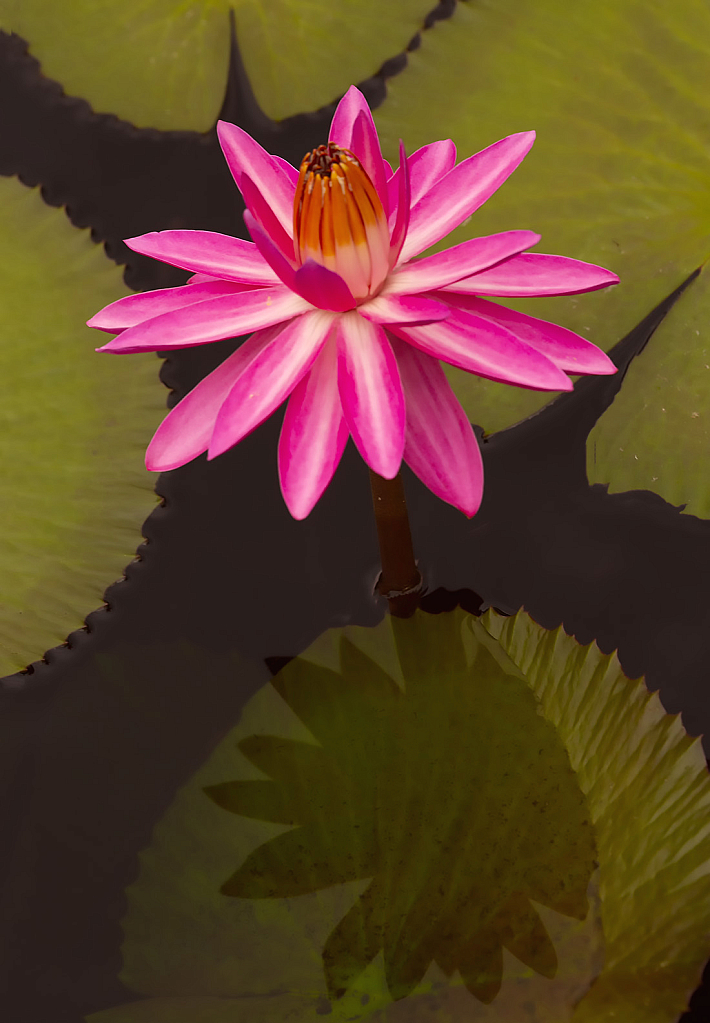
x,y
355,93
153,465
134,243
299,510
224,128
468,508
216,448
387,471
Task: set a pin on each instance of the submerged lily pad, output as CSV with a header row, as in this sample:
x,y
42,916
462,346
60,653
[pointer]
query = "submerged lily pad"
x,y
415,813
656,434
619,175
164,64
648,791
73,429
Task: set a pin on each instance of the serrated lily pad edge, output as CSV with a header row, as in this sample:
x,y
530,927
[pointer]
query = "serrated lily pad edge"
x,y
654,960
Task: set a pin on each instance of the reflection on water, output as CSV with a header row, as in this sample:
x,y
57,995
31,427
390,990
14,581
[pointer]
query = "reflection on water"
x,y
403,827
448,791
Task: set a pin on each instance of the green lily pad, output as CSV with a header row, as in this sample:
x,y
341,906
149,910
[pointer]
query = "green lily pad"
x,y
619,175
163,64
73,429
415,813
656,434
648,791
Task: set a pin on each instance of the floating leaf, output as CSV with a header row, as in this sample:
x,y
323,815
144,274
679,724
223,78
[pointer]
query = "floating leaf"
x,y
455,845
439,771
462,688
656,434
619,175
73,430
164,65
648,791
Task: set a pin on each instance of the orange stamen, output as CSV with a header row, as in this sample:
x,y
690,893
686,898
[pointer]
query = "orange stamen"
x,y
339,221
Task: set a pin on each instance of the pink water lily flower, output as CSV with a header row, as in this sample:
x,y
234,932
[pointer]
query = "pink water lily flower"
x,y
345,320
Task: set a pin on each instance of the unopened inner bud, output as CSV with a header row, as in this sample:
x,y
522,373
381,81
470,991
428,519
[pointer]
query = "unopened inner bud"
x,y
338,219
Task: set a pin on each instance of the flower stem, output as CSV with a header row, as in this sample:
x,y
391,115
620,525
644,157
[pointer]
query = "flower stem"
x,y
400,581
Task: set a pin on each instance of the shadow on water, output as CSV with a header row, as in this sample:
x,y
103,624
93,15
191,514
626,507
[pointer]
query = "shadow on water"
x,y
227,580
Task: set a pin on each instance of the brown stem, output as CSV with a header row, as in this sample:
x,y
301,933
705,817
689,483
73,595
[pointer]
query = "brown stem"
x,y
400,580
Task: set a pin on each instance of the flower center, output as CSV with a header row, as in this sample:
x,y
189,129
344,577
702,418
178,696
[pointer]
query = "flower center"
x,y
338,219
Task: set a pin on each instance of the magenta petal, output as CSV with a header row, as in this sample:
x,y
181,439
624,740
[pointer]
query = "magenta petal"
x,y
371,393
228,316
288,169
486,349
569,351
322,288
245,156
269,379
452,264
313,436
404,309
185,432
461,192
201,279
426,167
283,267
366,147
134,309
536,273
440,445
346,112
219,255
401,223
264,215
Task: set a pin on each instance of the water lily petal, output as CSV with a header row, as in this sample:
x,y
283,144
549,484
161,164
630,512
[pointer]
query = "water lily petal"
x,y
371,393
133,309
568,350
185,432
288,169
366,147
452,264
283,267
426,166
346,113
269,379
313,436
401,223
323,288
440,445
487,349
227,316
244,155
319,286
265,216
404,309
460,192
536,273
220,255
201,279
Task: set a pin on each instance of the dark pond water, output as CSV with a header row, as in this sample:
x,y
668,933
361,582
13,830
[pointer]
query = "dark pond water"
x,y
90,765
